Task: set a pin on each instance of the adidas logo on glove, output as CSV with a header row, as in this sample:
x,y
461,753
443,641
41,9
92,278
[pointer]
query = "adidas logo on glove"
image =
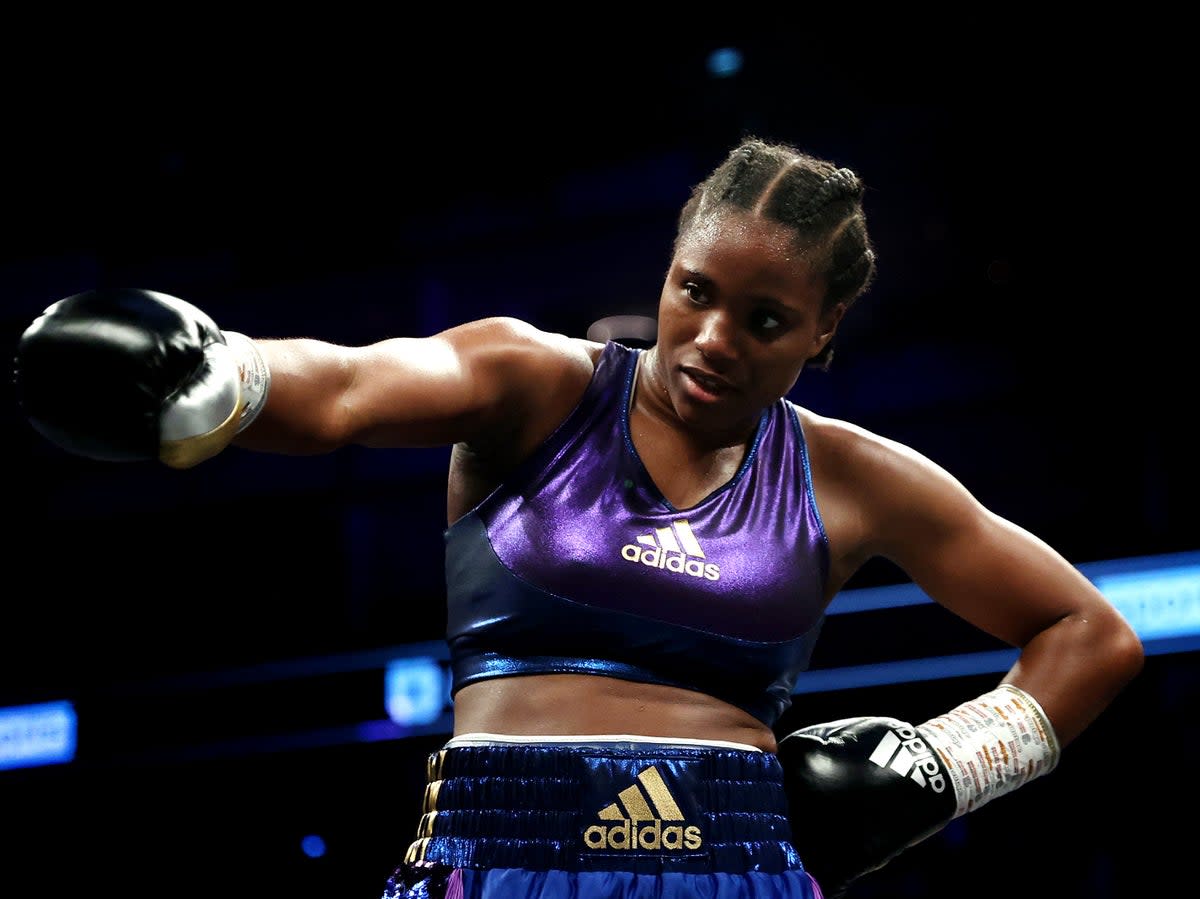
x,y
904,751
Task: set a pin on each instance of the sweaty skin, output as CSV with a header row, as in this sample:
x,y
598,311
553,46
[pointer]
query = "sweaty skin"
x,y
739,316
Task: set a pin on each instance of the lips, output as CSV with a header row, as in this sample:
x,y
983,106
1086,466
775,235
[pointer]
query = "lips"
x,y
706,380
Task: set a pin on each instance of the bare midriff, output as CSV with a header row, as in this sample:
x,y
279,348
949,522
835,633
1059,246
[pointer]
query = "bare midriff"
x,y
578,704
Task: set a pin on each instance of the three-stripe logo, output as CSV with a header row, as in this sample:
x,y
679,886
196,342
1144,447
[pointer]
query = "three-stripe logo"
x,y
903,751
672,548
642,811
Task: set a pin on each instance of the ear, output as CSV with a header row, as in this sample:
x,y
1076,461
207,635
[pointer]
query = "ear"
x,y
827,327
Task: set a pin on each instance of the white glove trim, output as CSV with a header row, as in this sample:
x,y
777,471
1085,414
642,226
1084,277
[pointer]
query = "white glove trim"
x,y
255,376
205,404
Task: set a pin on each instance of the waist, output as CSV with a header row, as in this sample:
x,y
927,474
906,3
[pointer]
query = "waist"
x,y
739,687
604,803
587,704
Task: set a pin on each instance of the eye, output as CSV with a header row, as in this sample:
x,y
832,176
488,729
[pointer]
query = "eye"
x,y
765,322
695,293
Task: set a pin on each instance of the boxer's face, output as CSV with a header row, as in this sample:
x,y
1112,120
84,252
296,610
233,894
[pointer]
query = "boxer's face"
x,y
740,315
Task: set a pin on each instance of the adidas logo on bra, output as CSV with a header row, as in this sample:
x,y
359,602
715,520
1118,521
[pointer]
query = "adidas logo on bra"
x,y
673,548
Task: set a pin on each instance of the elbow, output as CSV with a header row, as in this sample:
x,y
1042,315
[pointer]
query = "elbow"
x,y
1132,655
1122,649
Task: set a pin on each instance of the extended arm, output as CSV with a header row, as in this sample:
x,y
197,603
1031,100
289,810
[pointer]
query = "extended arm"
x,y
462,385
134,374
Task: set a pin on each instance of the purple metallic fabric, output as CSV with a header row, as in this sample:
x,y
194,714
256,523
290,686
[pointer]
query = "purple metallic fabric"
x,y
578,563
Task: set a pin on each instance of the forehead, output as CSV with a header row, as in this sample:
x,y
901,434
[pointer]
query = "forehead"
x,y
745,247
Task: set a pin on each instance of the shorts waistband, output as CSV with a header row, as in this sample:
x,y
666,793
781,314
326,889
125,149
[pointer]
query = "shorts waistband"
x,y
482,739
600,805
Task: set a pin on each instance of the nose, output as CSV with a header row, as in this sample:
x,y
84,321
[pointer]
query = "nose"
x,y
716,339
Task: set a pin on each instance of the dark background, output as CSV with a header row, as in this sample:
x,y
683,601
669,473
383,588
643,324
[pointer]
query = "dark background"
x,y
1025,331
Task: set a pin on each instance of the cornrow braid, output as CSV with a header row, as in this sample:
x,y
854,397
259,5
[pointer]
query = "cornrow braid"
x,y
820,201
840,184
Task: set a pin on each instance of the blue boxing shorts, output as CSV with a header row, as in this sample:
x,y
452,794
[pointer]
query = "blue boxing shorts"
x,y
607,817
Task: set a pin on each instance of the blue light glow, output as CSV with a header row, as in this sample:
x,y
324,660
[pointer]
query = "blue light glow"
x,y
821,680
725,62
1158,595
1158,604
415,690
33,735
870,599
312,846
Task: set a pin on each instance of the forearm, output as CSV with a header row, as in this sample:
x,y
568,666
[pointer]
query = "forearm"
x,y
1076,667
303,412
399,392
1065,677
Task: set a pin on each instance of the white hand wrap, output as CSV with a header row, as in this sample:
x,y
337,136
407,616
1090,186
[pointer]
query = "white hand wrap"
x,y
255,376
992,745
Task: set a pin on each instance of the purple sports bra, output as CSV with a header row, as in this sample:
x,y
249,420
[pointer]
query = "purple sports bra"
x,y
578,564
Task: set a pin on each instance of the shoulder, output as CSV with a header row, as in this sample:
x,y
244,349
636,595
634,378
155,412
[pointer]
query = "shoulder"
x,y
840,443
886,485
532,377
516,343
869,469
878,497
512,361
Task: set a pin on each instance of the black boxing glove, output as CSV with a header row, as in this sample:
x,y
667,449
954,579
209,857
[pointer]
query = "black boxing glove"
x,y
132,375
863,790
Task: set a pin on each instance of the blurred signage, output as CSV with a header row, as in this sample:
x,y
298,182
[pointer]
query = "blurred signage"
x,y
42,734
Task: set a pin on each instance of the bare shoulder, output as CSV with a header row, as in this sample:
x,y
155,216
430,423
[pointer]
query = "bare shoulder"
x,y
534,378
839,448
521,347
876,495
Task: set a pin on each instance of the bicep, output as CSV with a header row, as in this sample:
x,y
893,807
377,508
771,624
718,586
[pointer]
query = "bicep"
x,y
425,391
